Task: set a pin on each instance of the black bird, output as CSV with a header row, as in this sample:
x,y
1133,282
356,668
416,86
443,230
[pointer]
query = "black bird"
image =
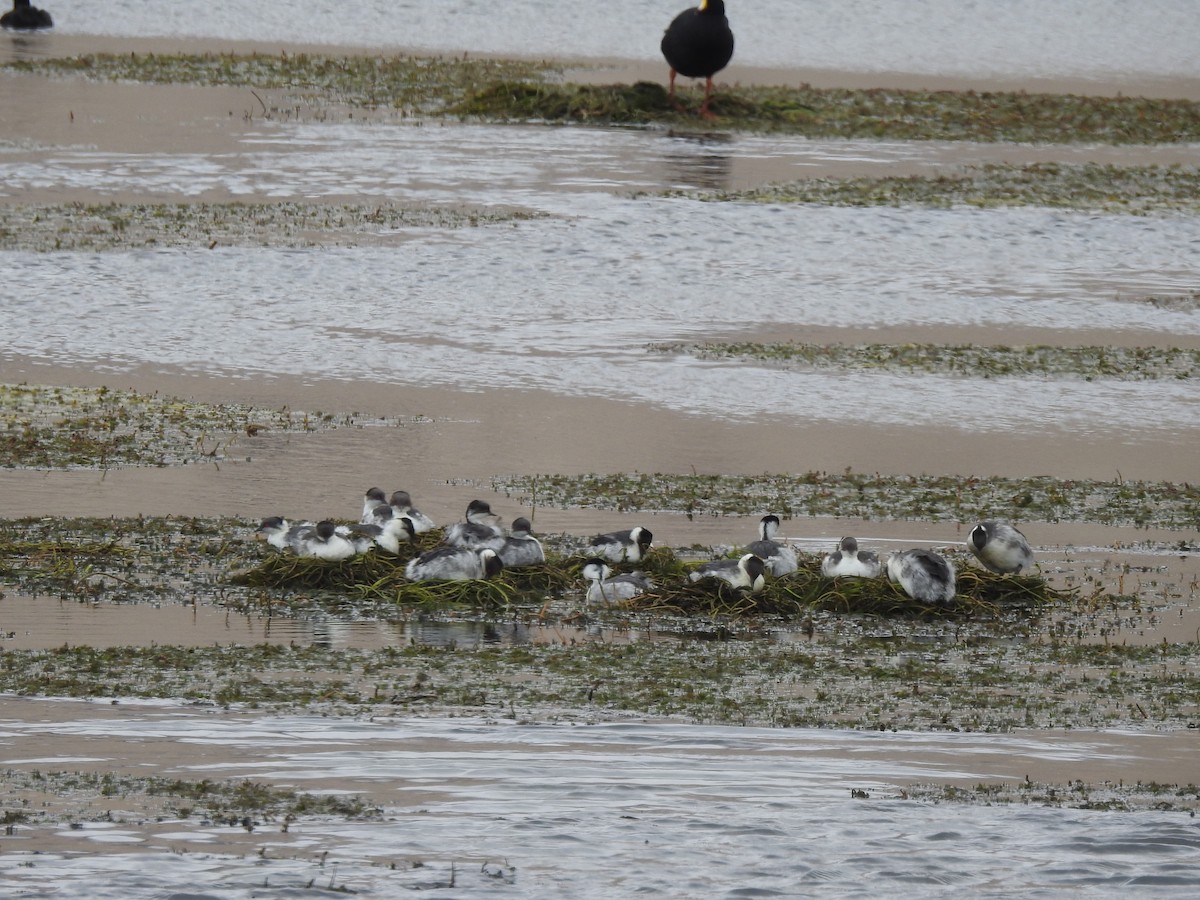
x,y
24,17
698,44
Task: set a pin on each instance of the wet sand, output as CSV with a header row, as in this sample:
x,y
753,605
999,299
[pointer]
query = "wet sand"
x,y
602,70
474,436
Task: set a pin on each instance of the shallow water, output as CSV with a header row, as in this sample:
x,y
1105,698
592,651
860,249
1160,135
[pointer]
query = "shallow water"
x,y
566,305
1087,38
45,622
510,305
588,811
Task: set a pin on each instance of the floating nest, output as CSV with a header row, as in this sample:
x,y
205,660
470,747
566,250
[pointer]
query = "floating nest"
x,y
380,576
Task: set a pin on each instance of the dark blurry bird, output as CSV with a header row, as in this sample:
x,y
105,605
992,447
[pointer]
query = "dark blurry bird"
x,y
1000,547
698,44
23,17
923,575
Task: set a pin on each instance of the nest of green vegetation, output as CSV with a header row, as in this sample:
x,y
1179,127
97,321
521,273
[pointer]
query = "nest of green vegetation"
x,y
834,112
380,576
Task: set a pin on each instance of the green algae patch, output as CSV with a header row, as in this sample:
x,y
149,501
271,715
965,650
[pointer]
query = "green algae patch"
x,y
932,498
842,680
44,427
508,90
968,360
380,576
127,226
1104,796
885,114
1092,187
413,83
223,802
805,591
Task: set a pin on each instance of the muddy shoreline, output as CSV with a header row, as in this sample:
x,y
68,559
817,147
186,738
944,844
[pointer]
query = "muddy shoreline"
x,y
472,436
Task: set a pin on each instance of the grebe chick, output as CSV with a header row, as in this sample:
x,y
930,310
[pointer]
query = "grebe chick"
x,y
372,500
481,528
780,558
1000,547
454,564
521,548
604,587
923,575
401,504
622,546
746,572
323,542
847,561
274,530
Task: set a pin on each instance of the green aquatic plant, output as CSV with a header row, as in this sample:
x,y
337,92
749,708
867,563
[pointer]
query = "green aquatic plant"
x,y
126,226
381,577
48,427
414,83
508,90
1085,186
968,360
933,498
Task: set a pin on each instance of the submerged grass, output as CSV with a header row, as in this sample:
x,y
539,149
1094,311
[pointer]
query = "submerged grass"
x,y
125,226
969,360
1087,186
44,427
844,679
933,498
412,83
506,90
882,113
1010,652
246,803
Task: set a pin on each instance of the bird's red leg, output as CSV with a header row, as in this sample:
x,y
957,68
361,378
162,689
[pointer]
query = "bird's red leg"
x,y
671,94
705,112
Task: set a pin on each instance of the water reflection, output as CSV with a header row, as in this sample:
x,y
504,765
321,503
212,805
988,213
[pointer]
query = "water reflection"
x,y
45,622
594,810
699,161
